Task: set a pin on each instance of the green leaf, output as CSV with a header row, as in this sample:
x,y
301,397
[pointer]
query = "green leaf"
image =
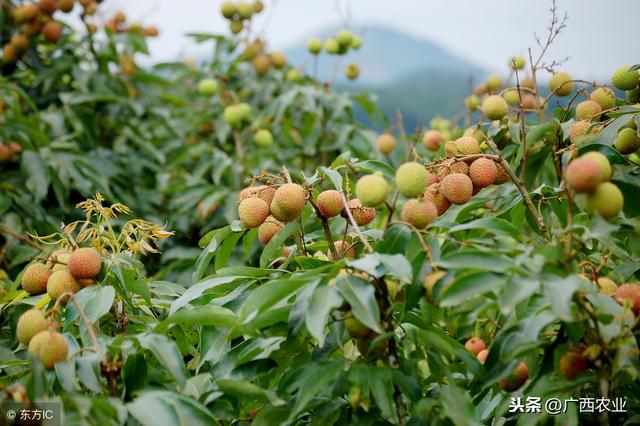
x,y
36,172
476,260
212,315
271,293
381,384
95,301
209,252
469,286
277,242
323,301
317,380
167,353
242,389
458,406
160,407
360,295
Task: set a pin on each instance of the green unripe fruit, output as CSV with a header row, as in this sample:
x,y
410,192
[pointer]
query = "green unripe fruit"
x,y
588,110
344,249
411,179
511,96
495,107
624,79
331,46
352,71
314,46
61,282
253,212
84,263
263,138
245,10
386,143
603,163
30,323
372,190
419,213
604,97
583,175
356,329
293,75
457,188
232,115
494,82
49,347
561,84
633,96
288,202
518,377
278,59
472,102
517,62
606,200
344,38
261,63
236,27
228,9
34,279
627,141
208,87
245,110
356,42
330,203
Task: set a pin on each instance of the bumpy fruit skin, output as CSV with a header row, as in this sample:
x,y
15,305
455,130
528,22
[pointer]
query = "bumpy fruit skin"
x,y
432,194
627,141
30,323
516,379
483,172
61,263
419,213
561,83
84,263
495,107
61,282
264,192
208,87
361,214
288,202
606,200
268,229
53,258
49,347
604,97
253,212
482,355
344,249
588,110
629,294
263,138
450,148
467,145
494,82
603,163
356,329
572,364
372,190
386,143
475,345
330,203
583,175
607,285
411,179
432,139
314,46
578,129
34,279
245,10
624,79
502,176
457,188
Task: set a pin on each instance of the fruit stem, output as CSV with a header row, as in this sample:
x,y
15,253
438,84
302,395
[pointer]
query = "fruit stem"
x,y
325,227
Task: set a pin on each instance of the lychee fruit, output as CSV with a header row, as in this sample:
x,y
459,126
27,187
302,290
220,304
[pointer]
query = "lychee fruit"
x,y
430,280
356,42
84,263
483,172
263,138
61,282
494,82
288,202
253,212
450,148
208,87
268,229
278,59
583,175
572,364
467,145
362,215
527,82
482,356
432,139
475,345
603,163
604,97
52,31
330,203
344,37
511,96
344,249
314,46
53,260
432,194
578,128
627,141
352,71
607,200
456,188
607,285
356,329
411,179
495,107
331,46
236,26
386,143
264,192
517,62
34,278
419,213
502,176
372,190
49,347
62,261
629,294
30,323
245,10
262,64
624,79
588,110
560,83
518,377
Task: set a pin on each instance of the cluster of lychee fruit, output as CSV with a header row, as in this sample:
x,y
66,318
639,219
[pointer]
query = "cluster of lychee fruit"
x,y
590,174
340,44
118,24
9,151
38,332
262,61
65,271
238,13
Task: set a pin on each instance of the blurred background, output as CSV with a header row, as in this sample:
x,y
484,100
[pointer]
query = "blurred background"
x,y
420,56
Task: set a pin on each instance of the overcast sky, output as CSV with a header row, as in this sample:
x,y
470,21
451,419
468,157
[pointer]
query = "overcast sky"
x,y
600,35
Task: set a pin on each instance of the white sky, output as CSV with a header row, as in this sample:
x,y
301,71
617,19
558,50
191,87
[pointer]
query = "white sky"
x,y
600,37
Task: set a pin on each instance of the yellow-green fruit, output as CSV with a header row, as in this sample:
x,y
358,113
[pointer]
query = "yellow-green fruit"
x,y
236,26
419,213
314,46
35,277
352,71
262,64
432,139
517,62
457,188
293,75
361,214
607,285
583,174
560,83
483,172
288,202
228,9
30,323
49,347
208,87
518,378
386,143
603,163
245,10
472,102
356,329
372,190
55,257
344,37
494,82
450,148
263,138
633,95
344,249
84,263
411,179
330,203
624,79
495,107
278,59
356,42
61,282
604,97
627,141
607,200
430,281
432,194
331,46
233,115
268,229
253,212
511,96
578,129
245,110
588,110
467,145
62,261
